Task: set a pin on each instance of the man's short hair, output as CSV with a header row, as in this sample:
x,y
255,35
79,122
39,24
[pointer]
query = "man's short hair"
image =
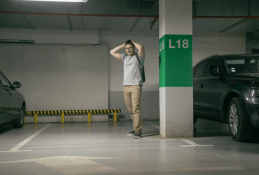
x,y
129,42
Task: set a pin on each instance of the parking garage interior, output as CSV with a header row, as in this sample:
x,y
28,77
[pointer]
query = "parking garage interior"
x,y
76,120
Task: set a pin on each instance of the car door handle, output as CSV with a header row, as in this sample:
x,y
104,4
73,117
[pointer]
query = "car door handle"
x,y
201,85
8,90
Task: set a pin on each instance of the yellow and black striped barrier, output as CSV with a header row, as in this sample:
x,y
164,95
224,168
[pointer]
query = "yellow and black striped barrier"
x,y
63,112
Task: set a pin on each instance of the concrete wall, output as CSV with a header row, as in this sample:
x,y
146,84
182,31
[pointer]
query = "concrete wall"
x,y
254,44
57,77
204,44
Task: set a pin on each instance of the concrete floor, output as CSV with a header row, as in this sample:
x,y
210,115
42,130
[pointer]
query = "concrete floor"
x,y
104,148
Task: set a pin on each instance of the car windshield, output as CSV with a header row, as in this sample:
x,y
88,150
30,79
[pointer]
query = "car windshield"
x,y
242,64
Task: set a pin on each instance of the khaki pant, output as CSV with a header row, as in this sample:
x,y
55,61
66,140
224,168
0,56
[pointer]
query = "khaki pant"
x,y
132,96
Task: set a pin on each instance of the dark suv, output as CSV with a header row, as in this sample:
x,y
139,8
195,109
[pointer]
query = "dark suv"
x,y
12,103
226,89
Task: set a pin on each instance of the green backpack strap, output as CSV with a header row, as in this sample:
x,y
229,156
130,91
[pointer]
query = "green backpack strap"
x,y
142,68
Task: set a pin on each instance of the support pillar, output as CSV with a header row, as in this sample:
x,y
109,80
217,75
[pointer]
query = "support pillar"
x,y
175,69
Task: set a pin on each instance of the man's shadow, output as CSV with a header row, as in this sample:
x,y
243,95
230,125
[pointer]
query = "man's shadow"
x,y
149,134
5,128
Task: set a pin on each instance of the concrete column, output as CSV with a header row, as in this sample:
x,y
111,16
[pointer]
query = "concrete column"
x,y
175,70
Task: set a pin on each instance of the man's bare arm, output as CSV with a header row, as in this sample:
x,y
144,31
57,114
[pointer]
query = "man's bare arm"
x,y
141,49
115,52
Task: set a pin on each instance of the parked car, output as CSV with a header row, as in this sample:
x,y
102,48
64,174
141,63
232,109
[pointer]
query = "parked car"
x,y
12,103
226,89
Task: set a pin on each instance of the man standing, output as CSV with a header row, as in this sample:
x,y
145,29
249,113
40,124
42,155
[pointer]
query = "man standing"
x,y
133,81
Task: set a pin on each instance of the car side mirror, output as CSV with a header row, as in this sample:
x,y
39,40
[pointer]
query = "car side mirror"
x,y
214,70
16,84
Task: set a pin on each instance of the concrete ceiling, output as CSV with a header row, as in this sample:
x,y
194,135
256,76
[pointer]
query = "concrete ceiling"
x,y
140,14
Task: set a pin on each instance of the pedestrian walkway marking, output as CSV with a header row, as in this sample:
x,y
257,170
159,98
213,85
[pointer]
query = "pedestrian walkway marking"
x,y
220,155
194,169
72,165
17,147
192,143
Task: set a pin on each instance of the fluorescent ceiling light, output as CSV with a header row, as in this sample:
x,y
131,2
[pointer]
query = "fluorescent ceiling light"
x,y
58,0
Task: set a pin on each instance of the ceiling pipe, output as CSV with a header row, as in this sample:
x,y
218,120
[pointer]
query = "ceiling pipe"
x,y
27,21
82,19
239,22
225,16
136,21
93,15
101,15
136,16
64,14
234,25
154,22
70,23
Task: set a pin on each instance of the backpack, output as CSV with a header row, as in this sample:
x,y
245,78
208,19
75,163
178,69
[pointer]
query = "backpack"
x,y
142,68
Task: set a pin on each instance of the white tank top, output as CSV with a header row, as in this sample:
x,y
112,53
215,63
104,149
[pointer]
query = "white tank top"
x,y
132,70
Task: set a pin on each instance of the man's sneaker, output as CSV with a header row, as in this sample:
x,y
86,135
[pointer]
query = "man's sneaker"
x,y
137,136
131,133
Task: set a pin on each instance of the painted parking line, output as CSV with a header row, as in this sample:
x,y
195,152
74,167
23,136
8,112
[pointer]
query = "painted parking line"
x,y
17,147
72,165
192,143
153,125
87,165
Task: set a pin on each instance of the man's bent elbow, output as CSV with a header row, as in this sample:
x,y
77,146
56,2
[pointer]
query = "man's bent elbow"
x,y
142,49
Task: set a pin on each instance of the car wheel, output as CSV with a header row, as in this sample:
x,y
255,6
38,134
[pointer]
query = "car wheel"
x,y
239,124
194,120
19,124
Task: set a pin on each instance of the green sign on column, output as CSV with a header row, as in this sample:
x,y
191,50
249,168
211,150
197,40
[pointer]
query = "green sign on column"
x,y
175,52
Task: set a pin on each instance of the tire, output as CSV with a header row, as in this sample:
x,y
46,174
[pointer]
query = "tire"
x,y
194,120
19,123
238,121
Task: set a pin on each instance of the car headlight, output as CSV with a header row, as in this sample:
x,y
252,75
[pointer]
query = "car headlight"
x,y
255,90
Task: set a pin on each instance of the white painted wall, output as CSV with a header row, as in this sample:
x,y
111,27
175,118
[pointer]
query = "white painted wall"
x,y
58,77
204,44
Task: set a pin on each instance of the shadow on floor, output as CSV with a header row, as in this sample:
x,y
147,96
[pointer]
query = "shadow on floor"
x,y
207,128
255,140
5,128
150,134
